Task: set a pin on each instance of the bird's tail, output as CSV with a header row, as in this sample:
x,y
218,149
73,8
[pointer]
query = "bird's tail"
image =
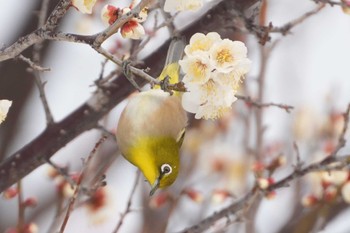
x,y
175,53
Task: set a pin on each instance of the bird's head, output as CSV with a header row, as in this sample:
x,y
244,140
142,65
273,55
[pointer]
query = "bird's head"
x,y
158,159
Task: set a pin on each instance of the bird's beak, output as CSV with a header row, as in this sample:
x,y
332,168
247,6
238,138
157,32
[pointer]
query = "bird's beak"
x,y
155,186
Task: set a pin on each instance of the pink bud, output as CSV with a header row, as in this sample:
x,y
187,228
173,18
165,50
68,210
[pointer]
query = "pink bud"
x,y
330,194
133,30
109,14
263,183
258,167
194,195
309,200
219,196
10,193
160,200
30,202
98,199
271,195
31,228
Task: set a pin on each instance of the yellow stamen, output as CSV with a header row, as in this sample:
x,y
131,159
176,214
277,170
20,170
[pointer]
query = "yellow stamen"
x,y
224,56
198,70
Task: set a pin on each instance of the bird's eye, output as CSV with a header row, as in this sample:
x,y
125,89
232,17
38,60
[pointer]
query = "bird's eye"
x,y
166,169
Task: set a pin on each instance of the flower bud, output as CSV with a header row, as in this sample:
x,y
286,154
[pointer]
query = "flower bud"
x,y
219,196
160,200
133,30
330,193
109,14
10,193
194,195
309,200
30,202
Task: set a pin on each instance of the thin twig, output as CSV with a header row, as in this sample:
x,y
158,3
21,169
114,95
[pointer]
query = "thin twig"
x,y
134,70
37,59
32,64
288,26
77,188
299,163
128,205
342,140
21,208
257,104
331,3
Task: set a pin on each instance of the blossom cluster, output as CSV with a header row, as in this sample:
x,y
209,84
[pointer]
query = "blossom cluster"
x,y
327,186
214,69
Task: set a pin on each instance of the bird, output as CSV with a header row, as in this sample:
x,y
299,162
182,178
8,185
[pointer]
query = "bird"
x,y
152,126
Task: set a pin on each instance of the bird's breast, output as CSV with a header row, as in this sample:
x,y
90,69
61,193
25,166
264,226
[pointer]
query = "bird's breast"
x,y
150,114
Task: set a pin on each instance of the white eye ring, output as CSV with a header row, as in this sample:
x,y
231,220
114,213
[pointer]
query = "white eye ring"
x,y
166,169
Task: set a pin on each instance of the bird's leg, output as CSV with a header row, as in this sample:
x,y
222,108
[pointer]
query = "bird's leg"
x,y
164,85
129,75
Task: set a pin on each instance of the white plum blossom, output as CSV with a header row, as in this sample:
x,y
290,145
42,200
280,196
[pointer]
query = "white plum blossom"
x,y
214,68
228,55
209,101
84,6
200,43
182,5
197,68
4,108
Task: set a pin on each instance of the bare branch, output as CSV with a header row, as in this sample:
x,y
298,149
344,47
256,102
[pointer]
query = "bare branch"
x,y
331,3
32,64
287,27
36,57
257,104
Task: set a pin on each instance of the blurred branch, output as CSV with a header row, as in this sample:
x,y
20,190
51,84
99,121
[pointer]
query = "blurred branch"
x,y
258,104
263,32
21,208
288,26
331,3
128,205
330,163
36,58
77,186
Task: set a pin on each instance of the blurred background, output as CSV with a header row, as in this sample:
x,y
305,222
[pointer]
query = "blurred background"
x,y
307,69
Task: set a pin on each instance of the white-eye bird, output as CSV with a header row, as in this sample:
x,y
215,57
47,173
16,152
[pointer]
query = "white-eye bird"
x,y
152,127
